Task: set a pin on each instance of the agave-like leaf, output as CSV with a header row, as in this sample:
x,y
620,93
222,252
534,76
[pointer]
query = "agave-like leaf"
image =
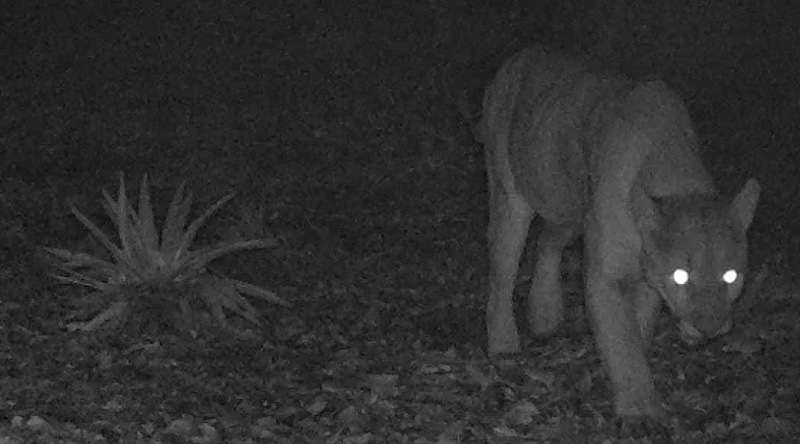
x,y
197,260
137,233
258,292
172,233
96,232
191,231
68,256
210,295
122,211
100,273
137,242
83,280
229,298
119,210
83,260
114,311
141,257
222,248
147,225
119,256
146,260
140,240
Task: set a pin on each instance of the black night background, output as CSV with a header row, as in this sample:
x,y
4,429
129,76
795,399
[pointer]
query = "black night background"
x,y
345,131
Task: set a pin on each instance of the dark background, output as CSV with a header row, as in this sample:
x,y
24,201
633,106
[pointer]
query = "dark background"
x,y
91,87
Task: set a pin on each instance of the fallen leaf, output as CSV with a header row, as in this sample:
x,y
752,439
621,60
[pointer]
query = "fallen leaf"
x,y
776,426
317,407
521,413
477,376
505,431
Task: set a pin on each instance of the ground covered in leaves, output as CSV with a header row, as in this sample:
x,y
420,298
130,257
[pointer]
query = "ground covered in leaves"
x,y
346,134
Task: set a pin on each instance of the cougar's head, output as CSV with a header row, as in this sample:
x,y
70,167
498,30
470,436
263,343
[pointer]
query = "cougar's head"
x,y
696,256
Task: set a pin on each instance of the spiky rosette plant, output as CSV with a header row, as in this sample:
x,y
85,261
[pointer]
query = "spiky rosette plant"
x,y
146,263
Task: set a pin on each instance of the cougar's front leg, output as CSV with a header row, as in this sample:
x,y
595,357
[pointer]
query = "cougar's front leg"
x,y
621,346
617,329
509,220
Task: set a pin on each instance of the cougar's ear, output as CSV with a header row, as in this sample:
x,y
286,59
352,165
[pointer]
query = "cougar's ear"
x,y
744,204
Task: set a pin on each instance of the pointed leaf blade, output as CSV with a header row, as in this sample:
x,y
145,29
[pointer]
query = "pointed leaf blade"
x,y
191,231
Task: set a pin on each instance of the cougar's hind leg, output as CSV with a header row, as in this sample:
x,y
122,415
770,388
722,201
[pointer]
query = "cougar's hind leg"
x,y
509,220
545,300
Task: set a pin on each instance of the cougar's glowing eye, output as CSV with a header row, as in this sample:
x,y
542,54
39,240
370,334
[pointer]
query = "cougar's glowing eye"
x,y
730,276
680,276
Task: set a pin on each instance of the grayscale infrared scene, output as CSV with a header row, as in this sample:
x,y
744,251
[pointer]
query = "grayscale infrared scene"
x,y
440,221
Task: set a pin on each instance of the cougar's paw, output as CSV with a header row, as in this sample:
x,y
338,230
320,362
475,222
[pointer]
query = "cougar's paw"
x,y
648,419
504,343
655,429
501,347
502,338
543,326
